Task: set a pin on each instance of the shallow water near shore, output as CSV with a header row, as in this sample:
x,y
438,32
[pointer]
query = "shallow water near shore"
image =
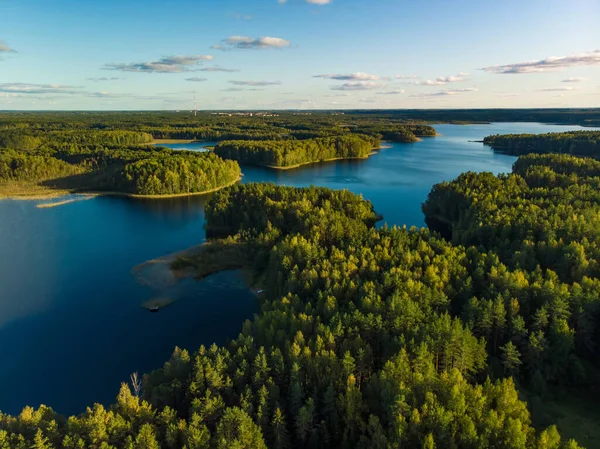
x,y
72,325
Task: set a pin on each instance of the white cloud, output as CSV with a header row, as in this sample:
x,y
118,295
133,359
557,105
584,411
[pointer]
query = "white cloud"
x,y
358,76
104,78
443,80
318,2
558,89
196,79
359,85
407,77
392,92
217,69
239,89
255,83
248,43
26,88
574,80
445,93
169,64
550,64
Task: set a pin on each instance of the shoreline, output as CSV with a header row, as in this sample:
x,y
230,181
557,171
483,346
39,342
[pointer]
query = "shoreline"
x,y
290,167
93,193
183,141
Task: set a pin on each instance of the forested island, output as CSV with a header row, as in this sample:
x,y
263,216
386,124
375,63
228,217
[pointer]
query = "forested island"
x,y
377,338
293,153
578,143
106,161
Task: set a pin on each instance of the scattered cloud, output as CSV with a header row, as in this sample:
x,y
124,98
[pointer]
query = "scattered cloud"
x,y
574,80
104,78
248,43
407,77
550,64
445,93
105,94
217,69
558,89
26,88
169,64
358,76
4,48
392,92
359,85
443,80
255,83
196,79
239,89
318,2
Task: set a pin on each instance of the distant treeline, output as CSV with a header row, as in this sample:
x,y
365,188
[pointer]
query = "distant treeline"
x,y
288,153
578,143
575,116
94,128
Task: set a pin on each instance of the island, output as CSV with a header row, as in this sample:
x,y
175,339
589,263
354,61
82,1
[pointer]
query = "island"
x,y
578,143
286,154
107,163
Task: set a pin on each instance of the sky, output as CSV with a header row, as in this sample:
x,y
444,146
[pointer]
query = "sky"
x,y
298,54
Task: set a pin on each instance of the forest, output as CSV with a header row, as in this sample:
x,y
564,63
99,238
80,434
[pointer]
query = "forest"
x,y
45,153
291,153
379,337
367,336
577,143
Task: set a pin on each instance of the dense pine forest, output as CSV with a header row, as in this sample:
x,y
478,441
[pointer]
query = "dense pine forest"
x,y
578,143
290,153
378,338
367,337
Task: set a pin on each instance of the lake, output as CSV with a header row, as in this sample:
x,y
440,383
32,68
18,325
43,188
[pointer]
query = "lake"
x,y
71,323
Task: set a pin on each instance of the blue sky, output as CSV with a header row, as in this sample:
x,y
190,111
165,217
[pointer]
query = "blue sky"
x,y
270,54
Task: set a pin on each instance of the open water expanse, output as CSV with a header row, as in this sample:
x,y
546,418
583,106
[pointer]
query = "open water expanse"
x,y
71,322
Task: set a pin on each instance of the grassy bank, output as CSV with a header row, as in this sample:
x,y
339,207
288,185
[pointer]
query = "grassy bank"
x,y
29,191
212,257
167,141
32,191
290,167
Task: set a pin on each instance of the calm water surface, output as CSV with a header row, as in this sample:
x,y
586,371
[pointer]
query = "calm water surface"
x,y
71,323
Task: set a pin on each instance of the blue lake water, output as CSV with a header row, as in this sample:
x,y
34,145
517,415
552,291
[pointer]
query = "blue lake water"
x,y
71,322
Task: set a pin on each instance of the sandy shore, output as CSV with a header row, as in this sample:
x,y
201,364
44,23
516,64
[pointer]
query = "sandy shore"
x,y
83,197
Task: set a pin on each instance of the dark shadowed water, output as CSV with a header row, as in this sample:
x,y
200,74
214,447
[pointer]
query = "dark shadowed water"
x,y
71,322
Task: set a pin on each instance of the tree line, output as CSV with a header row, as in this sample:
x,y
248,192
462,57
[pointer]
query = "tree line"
x,y
287,153
577,143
